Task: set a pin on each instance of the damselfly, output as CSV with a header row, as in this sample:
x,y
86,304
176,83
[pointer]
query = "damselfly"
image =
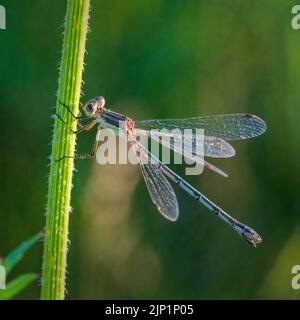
x,y
218,130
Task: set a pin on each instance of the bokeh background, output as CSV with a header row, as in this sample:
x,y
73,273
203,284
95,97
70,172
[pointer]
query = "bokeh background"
x,y
158,59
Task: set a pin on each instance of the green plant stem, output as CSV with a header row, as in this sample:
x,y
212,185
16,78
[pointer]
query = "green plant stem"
x,y
60,178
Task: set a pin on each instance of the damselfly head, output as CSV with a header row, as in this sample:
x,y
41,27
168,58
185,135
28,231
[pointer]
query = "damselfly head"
x,y
94,106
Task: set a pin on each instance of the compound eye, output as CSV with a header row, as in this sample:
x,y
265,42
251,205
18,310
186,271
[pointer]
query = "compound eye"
x,y
91,108
100,101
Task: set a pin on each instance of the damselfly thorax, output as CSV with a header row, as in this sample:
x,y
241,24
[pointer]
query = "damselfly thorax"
x,y
113,120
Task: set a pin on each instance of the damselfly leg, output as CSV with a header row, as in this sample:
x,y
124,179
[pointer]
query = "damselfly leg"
x,y
78,118
71,112
85,127
85,156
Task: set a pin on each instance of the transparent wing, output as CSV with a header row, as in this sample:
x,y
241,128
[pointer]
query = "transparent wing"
x,y
212,146
217,148
228,126
160,190
179,150
214,168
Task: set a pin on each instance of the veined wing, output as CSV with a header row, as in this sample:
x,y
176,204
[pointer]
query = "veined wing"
x,y
228,126
178,149
191,144
160,190
217,148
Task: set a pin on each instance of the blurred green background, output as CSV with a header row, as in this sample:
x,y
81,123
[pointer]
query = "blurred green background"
x,y
158,59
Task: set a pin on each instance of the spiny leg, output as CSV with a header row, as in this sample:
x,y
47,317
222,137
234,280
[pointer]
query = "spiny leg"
x,y
73,115
86,127
71,112
65,123
82,127
87,156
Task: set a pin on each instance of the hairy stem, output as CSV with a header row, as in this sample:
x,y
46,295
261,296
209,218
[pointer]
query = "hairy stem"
x,y
60,178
